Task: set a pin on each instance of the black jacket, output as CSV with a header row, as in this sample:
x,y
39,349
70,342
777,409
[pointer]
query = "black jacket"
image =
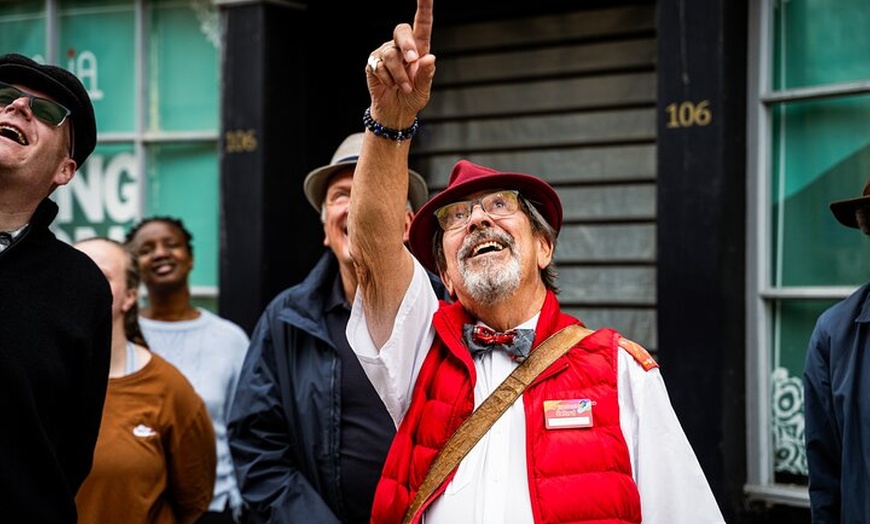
x,y
55,336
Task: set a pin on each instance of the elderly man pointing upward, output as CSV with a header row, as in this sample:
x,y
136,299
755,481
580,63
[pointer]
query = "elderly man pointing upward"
x,y
491,236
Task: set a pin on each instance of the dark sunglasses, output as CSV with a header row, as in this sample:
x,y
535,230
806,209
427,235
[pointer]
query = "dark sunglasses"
x,y
44,109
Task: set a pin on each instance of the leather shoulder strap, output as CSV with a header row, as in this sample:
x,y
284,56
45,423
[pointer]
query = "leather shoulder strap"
x,y
479,422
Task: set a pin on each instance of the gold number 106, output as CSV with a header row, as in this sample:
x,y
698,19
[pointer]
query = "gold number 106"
x,y
687,114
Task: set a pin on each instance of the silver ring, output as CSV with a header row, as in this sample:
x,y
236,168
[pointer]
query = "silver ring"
x,y
373,63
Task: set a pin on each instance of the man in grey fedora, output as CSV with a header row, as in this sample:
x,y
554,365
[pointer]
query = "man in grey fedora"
x,y
836,393
308,432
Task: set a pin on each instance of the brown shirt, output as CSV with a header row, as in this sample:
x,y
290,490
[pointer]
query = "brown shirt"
x,y
155,457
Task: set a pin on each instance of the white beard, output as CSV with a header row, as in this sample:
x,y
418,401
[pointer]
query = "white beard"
x,y
486,280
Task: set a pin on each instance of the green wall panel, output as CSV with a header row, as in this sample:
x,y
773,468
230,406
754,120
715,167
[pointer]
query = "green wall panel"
x,y
183,182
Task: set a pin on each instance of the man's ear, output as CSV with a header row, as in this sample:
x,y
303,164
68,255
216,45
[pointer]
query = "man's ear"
x,y
326,237
409,216
129,300
65,172
448,284
545,252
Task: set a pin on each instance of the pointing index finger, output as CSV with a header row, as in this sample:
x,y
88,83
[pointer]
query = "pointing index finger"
x,y
423,26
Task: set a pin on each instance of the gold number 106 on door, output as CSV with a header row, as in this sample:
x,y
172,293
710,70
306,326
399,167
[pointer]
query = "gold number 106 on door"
x,y
688,114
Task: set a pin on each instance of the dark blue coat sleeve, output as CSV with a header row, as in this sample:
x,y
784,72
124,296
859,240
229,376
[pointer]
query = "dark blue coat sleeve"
x,y
823,438
272,486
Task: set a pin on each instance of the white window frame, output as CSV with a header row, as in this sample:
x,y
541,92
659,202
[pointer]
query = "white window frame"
x,y
762,295
141,137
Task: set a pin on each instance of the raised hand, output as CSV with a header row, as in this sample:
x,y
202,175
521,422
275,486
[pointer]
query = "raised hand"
x,y
399,72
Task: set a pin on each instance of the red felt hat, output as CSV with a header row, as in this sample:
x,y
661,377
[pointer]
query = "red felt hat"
x,y
468,178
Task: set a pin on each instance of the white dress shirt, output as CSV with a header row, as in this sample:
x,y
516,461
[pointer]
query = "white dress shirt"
x,y
672,486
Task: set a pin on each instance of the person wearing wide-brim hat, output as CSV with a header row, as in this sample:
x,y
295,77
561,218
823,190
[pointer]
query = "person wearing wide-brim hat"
x,y
56,304
597,421
308,432
344,159
853,212
836,388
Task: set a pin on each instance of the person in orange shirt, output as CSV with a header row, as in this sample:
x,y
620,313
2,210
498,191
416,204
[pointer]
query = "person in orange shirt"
x,y
155,457
207,348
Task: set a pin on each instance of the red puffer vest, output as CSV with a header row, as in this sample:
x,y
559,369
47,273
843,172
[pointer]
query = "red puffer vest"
x,y
576,475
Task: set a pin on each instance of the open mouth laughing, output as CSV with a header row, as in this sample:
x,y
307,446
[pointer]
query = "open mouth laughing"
x,y
484,243
162,268
486,247
13,133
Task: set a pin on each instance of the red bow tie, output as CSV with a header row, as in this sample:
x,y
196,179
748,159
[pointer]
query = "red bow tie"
x,y
489,337
516,342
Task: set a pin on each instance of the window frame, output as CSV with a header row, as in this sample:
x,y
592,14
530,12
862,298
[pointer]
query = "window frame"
x,y
140,138
762,295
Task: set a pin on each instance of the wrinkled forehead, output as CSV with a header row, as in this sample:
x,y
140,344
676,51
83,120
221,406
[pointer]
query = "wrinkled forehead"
x,y
343,176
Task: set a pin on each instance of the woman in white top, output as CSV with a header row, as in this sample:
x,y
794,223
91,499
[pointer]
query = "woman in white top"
x,y
208,349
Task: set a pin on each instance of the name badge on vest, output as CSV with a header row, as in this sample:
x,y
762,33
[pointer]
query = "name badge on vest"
x,y
571,413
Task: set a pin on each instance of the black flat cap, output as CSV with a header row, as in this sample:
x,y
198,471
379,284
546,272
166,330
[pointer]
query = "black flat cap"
x,y
62,86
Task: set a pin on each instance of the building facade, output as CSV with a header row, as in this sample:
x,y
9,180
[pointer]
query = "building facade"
x,y
152,71
695,148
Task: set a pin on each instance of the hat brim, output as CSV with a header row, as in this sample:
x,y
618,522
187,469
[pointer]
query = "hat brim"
x,y
533,189
844,210
317,180
51,81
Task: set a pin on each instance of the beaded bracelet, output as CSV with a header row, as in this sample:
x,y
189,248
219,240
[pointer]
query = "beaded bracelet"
x,y
387,132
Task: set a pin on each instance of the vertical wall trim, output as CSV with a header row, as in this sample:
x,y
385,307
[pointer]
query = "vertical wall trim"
x,y
701,233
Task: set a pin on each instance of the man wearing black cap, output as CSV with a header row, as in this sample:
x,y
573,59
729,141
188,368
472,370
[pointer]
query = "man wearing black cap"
x,y
837,395
55,303
307,430
593,438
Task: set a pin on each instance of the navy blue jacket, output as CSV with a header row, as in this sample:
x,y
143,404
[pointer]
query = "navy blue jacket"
x,y
285,421
837,404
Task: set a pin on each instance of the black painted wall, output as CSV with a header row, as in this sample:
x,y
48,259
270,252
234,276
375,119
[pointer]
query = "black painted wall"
x,y
262,153
293,88
701,232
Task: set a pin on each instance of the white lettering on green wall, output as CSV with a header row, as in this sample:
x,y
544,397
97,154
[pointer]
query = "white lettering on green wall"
x,y
84,65
102,199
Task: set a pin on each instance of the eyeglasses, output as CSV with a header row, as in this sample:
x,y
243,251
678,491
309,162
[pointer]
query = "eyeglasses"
x,y
44,109
496,205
